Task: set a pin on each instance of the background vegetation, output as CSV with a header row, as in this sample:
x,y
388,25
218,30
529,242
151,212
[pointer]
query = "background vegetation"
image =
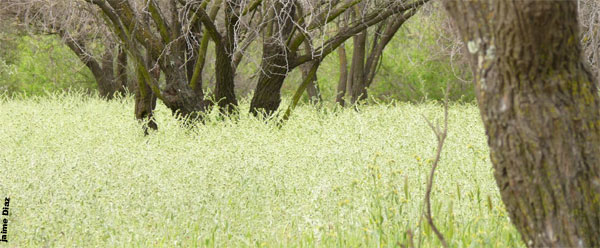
x,y
416,66
38,64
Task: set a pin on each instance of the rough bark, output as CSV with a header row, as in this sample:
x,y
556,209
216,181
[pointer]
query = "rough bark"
x,y
275,63
145,102
267,95
225,72
179,96
224,88
107,86
190,67
539,105
224,46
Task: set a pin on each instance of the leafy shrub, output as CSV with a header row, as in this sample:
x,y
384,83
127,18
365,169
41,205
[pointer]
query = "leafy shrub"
x,y
36,65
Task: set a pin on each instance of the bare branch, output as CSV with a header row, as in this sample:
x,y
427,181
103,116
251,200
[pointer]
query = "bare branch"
x,y
440,134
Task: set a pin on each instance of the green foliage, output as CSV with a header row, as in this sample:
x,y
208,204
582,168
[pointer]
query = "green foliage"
x,y
80,173
417,65
35,65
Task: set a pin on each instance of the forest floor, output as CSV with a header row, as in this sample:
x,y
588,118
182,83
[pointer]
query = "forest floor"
x,y
80,172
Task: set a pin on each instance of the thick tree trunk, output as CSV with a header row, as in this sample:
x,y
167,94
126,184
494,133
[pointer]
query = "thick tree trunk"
x,y
539,105
179,96
274,66
224,46
167,51
275,63
341,88
225,87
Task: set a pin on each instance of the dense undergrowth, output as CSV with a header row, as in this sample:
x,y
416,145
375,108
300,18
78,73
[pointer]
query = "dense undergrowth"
x,y
80,172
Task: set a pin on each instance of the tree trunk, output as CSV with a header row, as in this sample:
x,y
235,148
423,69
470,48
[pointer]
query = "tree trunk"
x,y
145,102
364,66
179,96
380,40
275,63
341,88
357,84
106,77
121,82
539,105
101,70
224,88
312,89
145,99
224,46
167,51
267,95
190,66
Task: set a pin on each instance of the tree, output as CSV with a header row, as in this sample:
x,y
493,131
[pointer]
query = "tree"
x,y
289,24
365,63
79,30
110,80
171,38
539,104
343,80
313,90
161,38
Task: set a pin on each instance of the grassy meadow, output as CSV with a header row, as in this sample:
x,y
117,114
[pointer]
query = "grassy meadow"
x,y
80,172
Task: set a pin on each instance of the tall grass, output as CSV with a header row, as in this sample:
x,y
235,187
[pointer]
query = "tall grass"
x,y
79,172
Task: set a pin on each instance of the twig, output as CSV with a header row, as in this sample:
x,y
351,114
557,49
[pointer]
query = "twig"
x,y
441,137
